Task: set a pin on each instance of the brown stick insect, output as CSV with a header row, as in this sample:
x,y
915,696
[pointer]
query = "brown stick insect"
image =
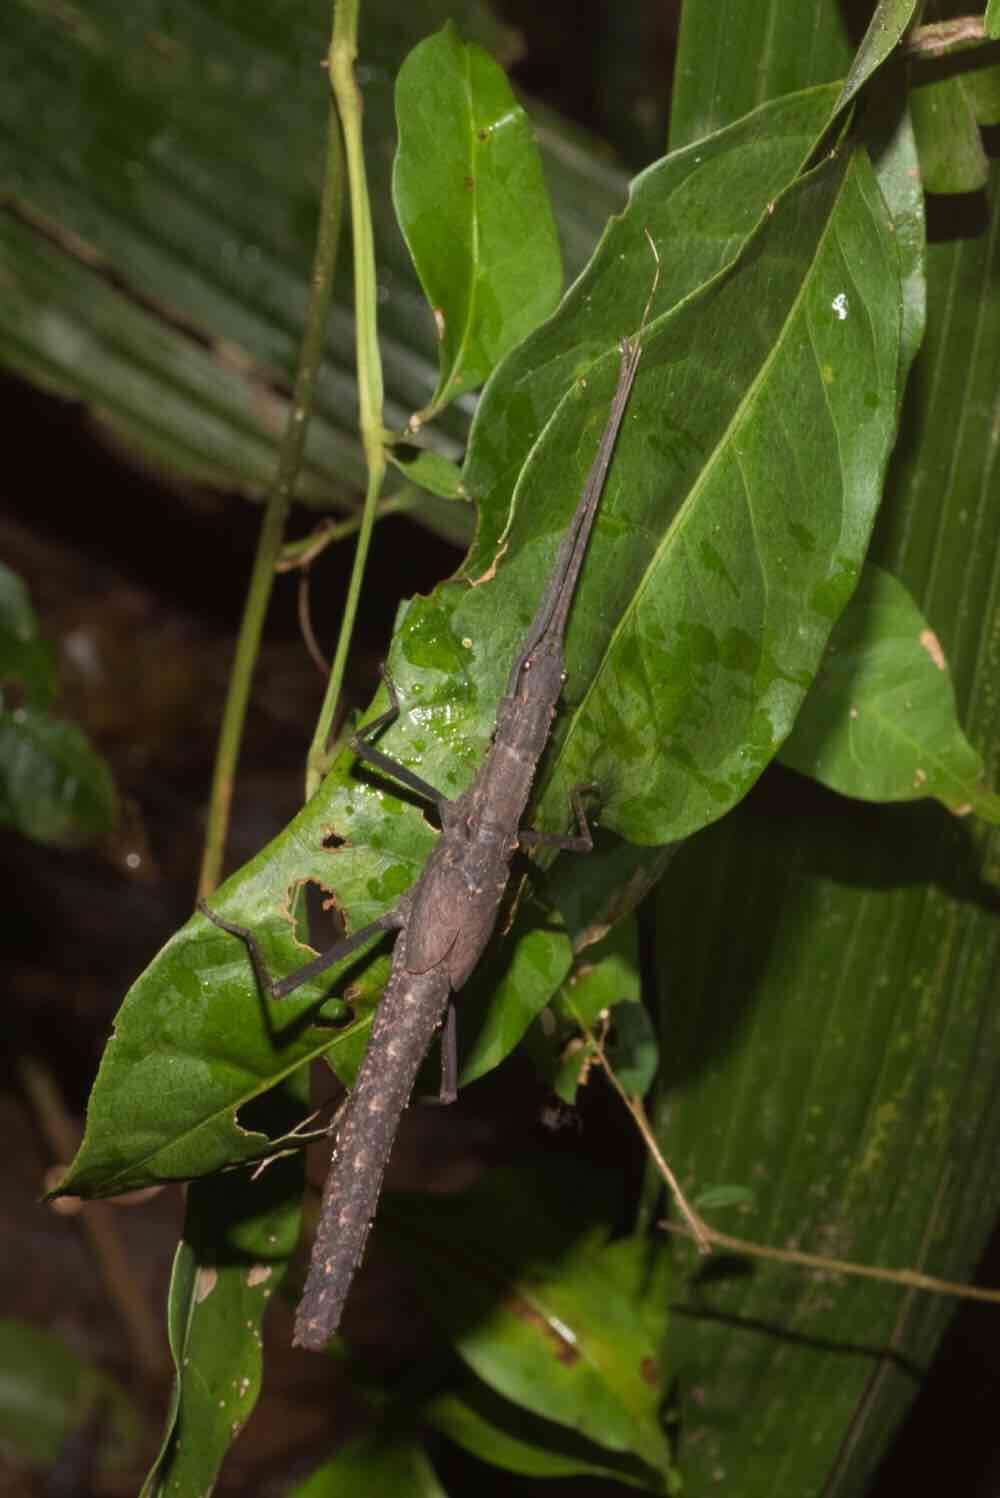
x,y
447,918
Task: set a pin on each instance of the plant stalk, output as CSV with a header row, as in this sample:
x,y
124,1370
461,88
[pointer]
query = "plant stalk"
x,y
343,52
276,512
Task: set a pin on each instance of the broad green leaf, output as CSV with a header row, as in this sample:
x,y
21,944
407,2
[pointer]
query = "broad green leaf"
x,y
886,28
239,1233
471,202
543,1309
675,538
837,1052
157,250
505,1435
716,571
54,786
48,1392
27,661
393,1466
952,159
879,722
793,47
992,19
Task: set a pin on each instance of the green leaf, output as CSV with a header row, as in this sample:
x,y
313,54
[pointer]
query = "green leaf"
x,y
48,1391
239,1233
472,205
394,1466
507,1436
880,721
605,975
27,661
708,542
886,28
952,159
832,1051
545,1312
432,471
793,47
54,787
992,19
632,1049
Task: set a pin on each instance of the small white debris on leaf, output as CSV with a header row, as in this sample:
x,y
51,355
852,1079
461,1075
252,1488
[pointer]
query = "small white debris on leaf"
x,y
257,1275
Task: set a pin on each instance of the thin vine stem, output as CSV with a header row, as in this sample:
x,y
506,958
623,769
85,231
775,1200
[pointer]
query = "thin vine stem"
x,y
342,56
275,513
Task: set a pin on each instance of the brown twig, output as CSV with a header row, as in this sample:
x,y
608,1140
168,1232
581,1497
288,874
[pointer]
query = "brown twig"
x,y
913,1279
697,1229
707,1238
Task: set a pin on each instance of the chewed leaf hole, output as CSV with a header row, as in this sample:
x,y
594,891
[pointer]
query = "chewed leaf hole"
x,y
318,921
332,840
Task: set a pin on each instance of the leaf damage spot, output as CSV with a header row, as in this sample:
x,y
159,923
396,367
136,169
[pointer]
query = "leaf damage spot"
x,y
205,1282
491,571
919,778
560,1336
439,323
932,645
258,1275
650,1370
840,306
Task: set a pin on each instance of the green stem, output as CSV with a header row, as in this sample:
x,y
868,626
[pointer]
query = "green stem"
x,y
343,52
275,513
308,548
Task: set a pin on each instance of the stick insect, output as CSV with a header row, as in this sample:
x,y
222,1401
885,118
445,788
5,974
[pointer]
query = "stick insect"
x,y
446,919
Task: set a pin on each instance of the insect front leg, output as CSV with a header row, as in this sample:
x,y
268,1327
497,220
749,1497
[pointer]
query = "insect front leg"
x,y
360,743
280,988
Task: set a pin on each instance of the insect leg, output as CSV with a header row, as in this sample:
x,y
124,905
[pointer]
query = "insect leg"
x,y
279,988
581,843
364,750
